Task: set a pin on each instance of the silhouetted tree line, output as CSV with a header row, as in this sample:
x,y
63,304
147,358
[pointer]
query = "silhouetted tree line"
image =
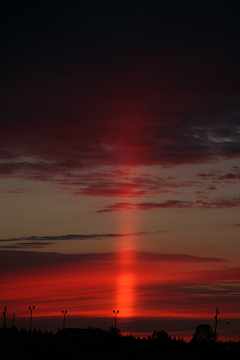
x,y
95,343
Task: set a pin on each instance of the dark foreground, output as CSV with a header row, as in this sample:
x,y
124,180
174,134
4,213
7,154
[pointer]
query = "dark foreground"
x,y
99,344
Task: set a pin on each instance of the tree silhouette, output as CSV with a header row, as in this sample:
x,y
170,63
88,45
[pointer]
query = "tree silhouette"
x,y
203,333
114,331
161,336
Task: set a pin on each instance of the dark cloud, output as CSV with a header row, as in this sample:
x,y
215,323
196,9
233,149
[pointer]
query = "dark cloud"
x,y
177,204
114,86
166,204
181,295
144,144
43,239
196,289
210,175
110,183
234,175
24,245
67,147
17,191
149,256
218,204
22,260
230,176
129,187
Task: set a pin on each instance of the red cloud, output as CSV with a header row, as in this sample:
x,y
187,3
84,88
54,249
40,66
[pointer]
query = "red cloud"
x,y
81,282
110,183
22,260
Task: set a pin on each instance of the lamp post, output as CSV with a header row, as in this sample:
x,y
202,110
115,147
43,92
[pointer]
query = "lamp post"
x,y
31,308
220,322
4,317
116,312
216,323
64,313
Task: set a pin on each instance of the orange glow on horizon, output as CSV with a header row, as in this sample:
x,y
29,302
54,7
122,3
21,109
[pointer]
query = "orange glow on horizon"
x,y
125,291
125,294
127,281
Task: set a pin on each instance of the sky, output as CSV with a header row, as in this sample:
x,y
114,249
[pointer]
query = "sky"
x,y
120,160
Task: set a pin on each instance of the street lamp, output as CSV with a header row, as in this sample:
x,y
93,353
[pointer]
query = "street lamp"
x,y
116,312
13,319
223,322
4,317
31,308
216,323
64,313
220,322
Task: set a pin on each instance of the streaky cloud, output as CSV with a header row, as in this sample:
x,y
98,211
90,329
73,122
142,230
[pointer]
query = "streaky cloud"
x,y
147,206
17,191
25,245
177,204
12,259
218,204
230,176
41,239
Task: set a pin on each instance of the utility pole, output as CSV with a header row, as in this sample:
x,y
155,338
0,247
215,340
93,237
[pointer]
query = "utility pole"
x,y
31,308
13,320
216,322
4,317
64,313
116,312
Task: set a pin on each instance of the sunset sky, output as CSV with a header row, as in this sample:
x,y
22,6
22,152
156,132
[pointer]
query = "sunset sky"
x,y
120,159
